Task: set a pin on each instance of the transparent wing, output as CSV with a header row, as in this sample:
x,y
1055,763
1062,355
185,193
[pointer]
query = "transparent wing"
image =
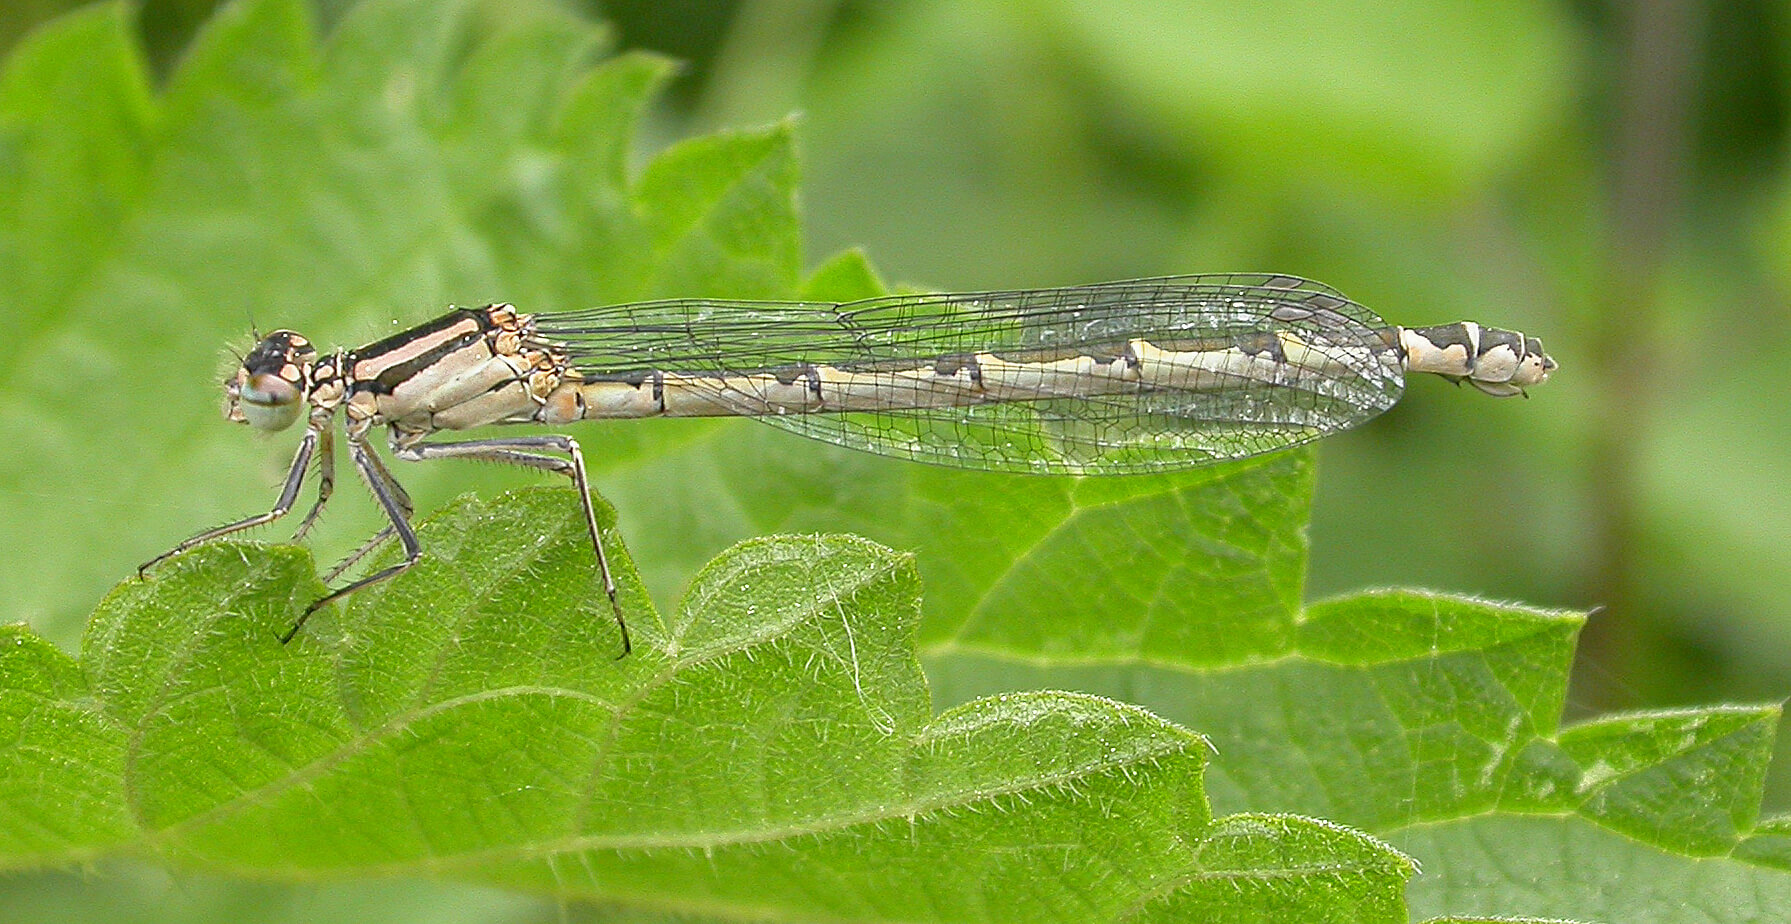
x,y
1237,389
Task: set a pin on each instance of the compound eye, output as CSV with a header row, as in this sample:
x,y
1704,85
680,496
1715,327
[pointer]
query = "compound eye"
x,y
268,402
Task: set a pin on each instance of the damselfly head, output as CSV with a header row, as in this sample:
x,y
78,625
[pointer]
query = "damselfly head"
x,y
268,391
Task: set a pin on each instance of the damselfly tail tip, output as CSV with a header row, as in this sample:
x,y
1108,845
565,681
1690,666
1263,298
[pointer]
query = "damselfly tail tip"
x,y
1501,363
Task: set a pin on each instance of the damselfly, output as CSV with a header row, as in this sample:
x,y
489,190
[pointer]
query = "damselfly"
x,y
1120,377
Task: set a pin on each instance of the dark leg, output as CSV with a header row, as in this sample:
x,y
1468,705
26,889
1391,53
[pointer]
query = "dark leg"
x,y
326,482
520,451
380,537
396,504
385,475
295,478
375,541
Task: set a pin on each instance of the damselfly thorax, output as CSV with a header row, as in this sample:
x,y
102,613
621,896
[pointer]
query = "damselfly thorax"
x,y
1121,377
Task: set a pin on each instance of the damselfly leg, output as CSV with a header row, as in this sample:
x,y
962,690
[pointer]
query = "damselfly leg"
x,y
525,450
326,480
295,479
397,506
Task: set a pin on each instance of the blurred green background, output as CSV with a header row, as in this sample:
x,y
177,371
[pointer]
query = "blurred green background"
x,y
1610,177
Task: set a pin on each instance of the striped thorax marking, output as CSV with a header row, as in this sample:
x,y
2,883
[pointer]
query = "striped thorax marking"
x,y
468,368
1134,376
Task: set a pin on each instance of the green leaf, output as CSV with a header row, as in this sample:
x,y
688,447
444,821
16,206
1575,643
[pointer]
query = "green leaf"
x,y
847,277
63,759
1499,920
1638,770
704,202
1770,844
1430,720
1195,566
1564,867
771,747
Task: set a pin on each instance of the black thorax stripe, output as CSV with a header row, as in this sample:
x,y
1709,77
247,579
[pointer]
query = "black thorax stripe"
x,y
383,366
